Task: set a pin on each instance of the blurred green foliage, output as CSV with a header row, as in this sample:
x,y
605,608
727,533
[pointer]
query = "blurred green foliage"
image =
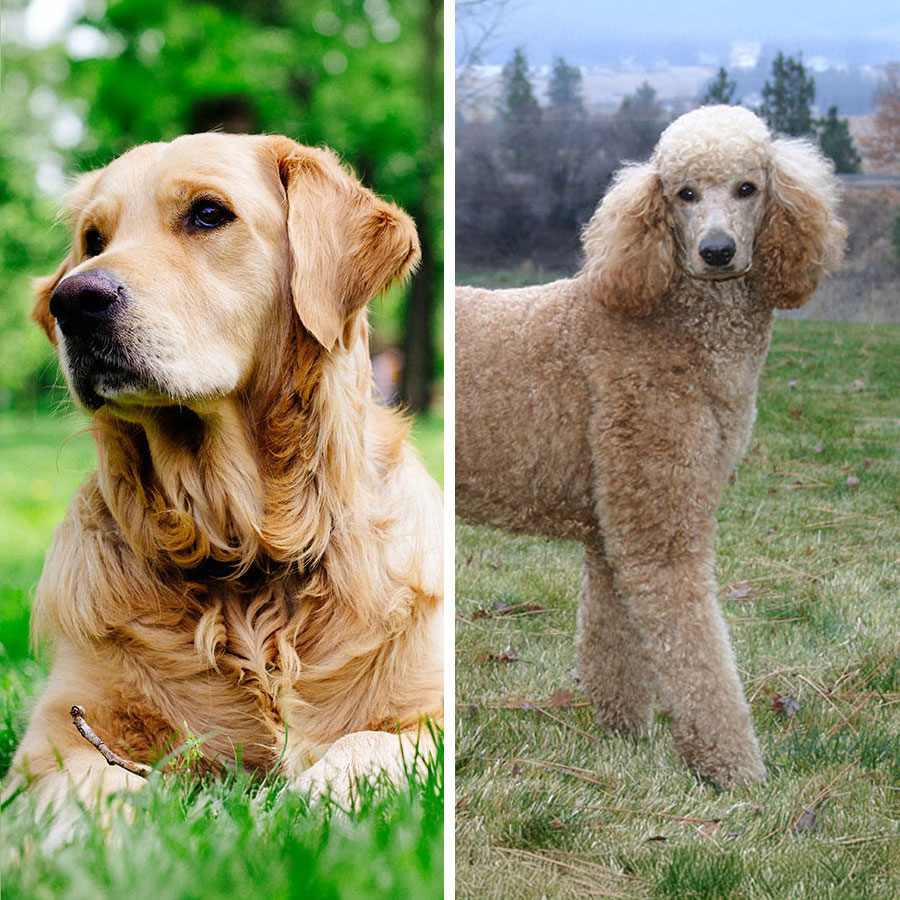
x,y
363,76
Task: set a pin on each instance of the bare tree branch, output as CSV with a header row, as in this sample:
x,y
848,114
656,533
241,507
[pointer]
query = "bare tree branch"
x,y
882,145
477,22
88,733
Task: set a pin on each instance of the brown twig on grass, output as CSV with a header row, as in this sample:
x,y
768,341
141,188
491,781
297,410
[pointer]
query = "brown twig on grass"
x,y
91,736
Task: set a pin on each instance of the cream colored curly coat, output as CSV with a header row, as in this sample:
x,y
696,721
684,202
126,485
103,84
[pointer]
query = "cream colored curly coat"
x,y
610,408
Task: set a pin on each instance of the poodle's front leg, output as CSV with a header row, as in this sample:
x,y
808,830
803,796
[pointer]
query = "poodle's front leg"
x,y
612,661
695,671
658,487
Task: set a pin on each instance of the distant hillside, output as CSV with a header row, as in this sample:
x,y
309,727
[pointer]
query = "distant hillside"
x,y
679,87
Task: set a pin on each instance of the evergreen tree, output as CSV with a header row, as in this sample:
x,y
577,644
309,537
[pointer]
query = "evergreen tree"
x,y
721,89
837,142
518,104
638,123
787,99
519,111
564,90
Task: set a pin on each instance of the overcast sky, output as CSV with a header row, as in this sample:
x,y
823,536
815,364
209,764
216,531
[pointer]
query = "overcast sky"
x,y
602,32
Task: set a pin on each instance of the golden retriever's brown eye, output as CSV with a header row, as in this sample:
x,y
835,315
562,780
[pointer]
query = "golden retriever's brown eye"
x,y
689,195
208,214
747,189
94,244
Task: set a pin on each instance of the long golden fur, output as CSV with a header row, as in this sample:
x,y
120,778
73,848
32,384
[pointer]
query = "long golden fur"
x,y
258,556
611,408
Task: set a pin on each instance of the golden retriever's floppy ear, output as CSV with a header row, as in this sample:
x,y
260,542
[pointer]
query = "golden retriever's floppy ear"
x,y
43,288
630,251
346,243
801,237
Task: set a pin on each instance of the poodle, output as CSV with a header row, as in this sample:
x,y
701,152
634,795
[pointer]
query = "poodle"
x,y
611,407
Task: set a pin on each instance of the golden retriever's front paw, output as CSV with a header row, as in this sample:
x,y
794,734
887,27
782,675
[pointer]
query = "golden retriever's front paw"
x,y
373,756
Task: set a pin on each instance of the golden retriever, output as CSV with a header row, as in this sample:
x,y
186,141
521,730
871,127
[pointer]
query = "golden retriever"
x,y
258,556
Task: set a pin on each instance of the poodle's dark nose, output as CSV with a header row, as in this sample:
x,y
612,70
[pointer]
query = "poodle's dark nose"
x,y
717,250
83,302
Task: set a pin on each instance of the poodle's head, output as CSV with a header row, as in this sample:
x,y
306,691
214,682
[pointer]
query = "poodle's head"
x,y
712,167
719,199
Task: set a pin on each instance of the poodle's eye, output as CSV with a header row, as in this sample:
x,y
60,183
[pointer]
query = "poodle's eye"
x,y
689,195
94,244
747,189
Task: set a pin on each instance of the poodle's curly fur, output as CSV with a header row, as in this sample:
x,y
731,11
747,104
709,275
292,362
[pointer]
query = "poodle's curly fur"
x,y
611,408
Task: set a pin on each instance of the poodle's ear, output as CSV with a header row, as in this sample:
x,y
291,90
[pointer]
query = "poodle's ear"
x,y
801,238
629,247
346,244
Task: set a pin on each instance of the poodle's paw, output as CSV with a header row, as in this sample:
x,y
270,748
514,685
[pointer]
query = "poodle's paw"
x,y
728,765
623,716
740,776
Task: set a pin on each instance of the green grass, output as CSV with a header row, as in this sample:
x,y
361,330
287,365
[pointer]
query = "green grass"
x,y
809,568
190,839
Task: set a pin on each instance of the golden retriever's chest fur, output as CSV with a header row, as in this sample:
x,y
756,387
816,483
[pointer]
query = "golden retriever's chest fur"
x,y
255,675
224,672
268,667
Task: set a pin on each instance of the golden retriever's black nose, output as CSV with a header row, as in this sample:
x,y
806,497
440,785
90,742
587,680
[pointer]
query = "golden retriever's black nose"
x,y
717,250
82,302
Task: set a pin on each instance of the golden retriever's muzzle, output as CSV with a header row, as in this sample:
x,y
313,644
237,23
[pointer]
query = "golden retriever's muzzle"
x,y
88,309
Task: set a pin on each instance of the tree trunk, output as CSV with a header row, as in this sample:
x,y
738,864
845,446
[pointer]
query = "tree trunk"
x,y
421,300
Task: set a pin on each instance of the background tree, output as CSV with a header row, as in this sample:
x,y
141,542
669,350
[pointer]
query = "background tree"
x,y
364,78
895,238
721,89
837,143
519,109
637,123
882,145
477,24
788,97
565,90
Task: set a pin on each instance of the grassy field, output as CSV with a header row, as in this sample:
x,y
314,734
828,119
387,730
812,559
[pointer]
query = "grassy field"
x,y
809,568
190,840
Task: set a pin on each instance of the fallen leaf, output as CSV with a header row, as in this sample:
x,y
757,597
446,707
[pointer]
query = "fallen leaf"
x,y
562,699
507,656
785,705
807,820
656,837
741,590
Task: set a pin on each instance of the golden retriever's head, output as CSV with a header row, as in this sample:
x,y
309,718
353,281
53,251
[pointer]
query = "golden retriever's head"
x,y
187,258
